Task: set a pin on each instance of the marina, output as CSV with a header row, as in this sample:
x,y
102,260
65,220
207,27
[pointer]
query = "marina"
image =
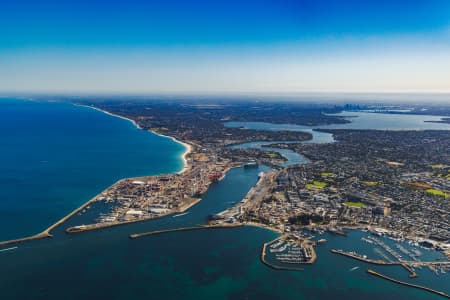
x,y
288,250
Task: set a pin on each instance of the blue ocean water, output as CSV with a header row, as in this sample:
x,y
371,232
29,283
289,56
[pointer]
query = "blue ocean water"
x,y
56,156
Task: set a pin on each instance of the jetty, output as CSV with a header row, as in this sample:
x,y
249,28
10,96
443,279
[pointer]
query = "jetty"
x,y
362,258
372,272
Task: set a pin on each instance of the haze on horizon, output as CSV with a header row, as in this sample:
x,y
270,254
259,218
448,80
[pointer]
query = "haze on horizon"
x,y
232,46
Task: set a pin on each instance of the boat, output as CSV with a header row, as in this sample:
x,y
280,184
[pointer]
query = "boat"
x,y
337,231
179,215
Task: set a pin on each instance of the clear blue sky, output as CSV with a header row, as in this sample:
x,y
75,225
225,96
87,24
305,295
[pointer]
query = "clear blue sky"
x,y
225,46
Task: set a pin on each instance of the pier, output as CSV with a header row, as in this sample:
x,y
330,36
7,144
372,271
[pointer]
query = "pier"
x,y
408,284
364,259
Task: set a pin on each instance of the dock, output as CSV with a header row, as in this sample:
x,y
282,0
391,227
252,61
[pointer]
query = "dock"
x,y
442,294
361,258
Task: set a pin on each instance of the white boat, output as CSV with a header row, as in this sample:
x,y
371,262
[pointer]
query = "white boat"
x,y
179,215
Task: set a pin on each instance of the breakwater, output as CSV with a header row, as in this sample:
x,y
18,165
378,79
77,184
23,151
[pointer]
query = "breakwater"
x,y
201,227
26,239
372,272
47,232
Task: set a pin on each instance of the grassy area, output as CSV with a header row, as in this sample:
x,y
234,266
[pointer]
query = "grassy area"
x,y
439,193
326,174
319,184
315,185
439,166
310,186
355,204
272,155
371,183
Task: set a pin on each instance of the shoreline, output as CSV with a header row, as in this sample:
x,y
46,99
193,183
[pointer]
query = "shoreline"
x,y
262,226
188,147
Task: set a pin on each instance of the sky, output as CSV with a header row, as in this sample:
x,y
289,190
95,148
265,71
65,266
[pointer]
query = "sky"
x,y
246,46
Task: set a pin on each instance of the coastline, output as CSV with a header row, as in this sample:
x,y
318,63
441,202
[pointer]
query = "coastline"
x,y
187,151
188,147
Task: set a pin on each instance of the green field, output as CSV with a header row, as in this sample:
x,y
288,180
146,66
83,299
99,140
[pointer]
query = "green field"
x,y
439,166
355,204
272,155
315,185
439,193
326,174
319,184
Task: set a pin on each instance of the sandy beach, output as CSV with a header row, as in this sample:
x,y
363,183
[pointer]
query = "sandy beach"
x,y
184,155
111,114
